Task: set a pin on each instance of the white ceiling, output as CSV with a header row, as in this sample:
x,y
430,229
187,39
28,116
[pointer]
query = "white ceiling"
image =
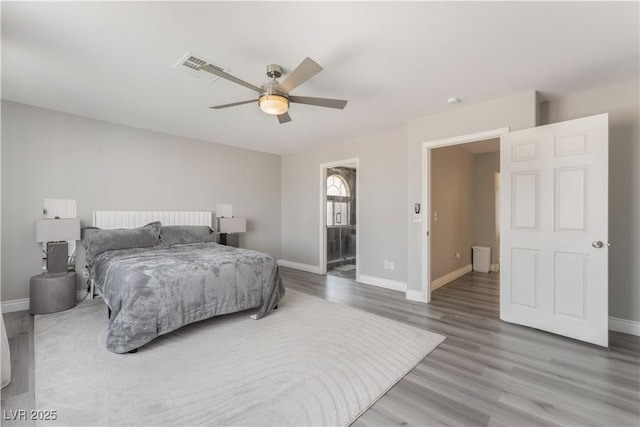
x,y
392,61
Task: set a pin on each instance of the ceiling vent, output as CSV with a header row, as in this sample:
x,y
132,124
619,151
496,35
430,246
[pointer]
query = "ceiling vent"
x,y
190,63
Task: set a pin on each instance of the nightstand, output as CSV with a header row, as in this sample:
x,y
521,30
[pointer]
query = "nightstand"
x,y
53,292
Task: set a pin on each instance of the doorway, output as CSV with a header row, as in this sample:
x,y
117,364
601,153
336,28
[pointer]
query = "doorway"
x,y
553,225
340,218
427,188
463,214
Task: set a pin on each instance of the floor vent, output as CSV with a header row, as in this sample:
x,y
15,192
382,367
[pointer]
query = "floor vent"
x,y
191,63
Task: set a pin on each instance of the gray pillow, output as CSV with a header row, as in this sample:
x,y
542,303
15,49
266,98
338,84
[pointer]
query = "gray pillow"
x,y
97,241
184,234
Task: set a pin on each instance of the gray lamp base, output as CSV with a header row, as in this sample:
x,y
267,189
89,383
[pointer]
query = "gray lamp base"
x,y
230,239
57,257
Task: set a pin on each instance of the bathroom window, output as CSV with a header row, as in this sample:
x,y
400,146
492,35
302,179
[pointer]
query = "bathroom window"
x,y
337,186
338,204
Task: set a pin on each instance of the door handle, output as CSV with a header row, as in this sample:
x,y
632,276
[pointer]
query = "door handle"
x,y
597,244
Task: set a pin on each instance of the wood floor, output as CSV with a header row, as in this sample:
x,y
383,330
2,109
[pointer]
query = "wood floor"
x,y
486,372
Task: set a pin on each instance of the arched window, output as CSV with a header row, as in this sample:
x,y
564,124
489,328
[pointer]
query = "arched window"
x,y
337,186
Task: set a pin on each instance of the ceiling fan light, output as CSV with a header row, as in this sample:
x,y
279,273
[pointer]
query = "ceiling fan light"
x,y
274,104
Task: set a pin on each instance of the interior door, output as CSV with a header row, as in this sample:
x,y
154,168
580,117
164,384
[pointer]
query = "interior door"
x,y
554,250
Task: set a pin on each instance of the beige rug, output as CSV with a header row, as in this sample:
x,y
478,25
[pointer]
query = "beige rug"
x,y
311,362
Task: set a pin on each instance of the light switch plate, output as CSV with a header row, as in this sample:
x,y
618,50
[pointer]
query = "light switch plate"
x,y
417,217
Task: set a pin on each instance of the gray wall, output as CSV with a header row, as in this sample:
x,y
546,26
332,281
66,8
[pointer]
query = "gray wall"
x,y
484,202
382,202
621,102
517,111
452,196
46,154
390,183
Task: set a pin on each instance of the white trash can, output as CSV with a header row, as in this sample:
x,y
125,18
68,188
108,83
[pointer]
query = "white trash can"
x,y
481,258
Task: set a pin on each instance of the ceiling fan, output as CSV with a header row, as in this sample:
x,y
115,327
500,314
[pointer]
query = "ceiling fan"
x,y
274,97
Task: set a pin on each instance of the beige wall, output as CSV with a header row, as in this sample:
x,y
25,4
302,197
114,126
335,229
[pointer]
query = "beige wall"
x,y
484,202
47,154
382,201
622,103
516,111
452,216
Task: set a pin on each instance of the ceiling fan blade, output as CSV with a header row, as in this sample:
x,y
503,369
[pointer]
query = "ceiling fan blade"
x,y
284,118
303,72
233,104
320,102
210,69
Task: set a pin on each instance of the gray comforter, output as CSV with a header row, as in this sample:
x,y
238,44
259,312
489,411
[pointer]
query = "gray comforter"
x,y
153,291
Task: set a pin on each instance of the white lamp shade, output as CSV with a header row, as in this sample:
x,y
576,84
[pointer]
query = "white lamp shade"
x,y
232,225
56,230
224,210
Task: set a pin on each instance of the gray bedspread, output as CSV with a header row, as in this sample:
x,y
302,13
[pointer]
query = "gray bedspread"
x,y
153,291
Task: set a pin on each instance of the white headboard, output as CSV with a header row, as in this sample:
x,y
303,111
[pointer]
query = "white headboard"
x,y
133,219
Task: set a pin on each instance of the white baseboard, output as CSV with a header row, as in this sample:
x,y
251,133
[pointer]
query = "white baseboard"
x,y
299,266
413,295
15,305
625,326
383,283
449,277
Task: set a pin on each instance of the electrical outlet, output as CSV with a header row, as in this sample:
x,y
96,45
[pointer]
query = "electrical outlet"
x,y
391,265
386,265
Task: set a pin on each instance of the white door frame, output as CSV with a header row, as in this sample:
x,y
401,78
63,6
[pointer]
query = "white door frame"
x,y
426,194
323,212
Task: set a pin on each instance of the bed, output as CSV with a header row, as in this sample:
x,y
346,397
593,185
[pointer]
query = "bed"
x,y
160,276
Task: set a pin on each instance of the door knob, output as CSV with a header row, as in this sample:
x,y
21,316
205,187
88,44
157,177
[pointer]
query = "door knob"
x,y
597,244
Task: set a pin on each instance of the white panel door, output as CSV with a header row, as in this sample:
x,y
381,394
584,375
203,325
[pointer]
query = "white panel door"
x,y
553,248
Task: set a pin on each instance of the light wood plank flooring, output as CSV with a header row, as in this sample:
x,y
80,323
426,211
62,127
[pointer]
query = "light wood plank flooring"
x,y
485,373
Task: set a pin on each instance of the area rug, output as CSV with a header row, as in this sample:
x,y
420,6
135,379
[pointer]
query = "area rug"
x,y
310,362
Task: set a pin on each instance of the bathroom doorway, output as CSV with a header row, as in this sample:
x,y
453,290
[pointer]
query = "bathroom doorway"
x,y
464,213
340,200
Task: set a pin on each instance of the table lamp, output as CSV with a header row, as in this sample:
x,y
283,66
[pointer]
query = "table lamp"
x,y
55,233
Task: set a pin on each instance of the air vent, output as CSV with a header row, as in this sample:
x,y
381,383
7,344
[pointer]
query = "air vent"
x,y
194,62
191,63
